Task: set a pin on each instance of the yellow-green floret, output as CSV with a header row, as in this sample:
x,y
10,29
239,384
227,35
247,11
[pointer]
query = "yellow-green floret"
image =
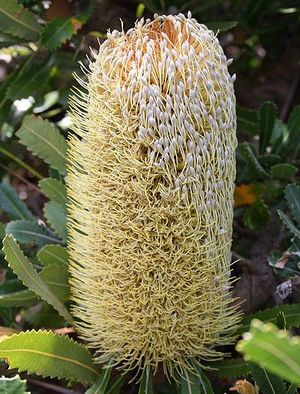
x,y
150,186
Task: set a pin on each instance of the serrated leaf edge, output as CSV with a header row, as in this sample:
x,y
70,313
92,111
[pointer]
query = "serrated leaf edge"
x,y
43,353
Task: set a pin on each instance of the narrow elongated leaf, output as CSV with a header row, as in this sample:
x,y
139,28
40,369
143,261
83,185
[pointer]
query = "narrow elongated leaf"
x,y
30,232
59,30
196,383
44,140
204,383
10,285
18,298
292,389
146,385
266,381
116,385
2,230
273,349
294,130
56,217
291,314
221,25
292,196
11,204
31,77
289,223
54,190
247,120
267,115
58,280
18,21
47,354
250,158
53,254
236,367
280,138
28,275
13,385
189,385
283,171
100,387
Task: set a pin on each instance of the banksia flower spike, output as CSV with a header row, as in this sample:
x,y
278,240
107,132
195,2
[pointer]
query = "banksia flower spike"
x,y
150,184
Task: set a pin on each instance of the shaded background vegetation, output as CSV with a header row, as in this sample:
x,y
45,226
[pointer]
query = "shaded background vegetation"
x,y
37,60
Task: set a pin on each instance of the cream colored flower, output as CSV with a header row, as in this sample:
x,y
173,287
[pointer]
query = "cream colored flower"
x,y
150,186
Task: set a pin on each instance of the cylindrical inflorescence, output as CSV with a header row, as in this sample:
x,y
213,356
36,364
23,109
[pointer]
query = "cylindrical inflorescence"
x,y
150,185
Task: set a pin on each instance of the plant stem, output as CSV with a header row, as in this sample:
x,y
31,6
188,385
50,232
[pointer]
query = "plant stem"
x,y
21,163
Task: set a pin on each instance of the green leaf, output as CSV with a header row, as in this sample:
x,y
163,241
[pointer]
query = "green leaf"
x,y
6,40
203,381
30,232
100,386
294,130
13,385
247,120
56,217
256,215
291,314
53,254
292,196
31,77
235,367
28,275
195,383
44,140
273,349
146,384
266,381
283,171
221,25
54,190
292,389
248,155
280,138
47,354
11,204
18,298
116,385
57,280
2,230
267,116
59,30
289,223
18,21
140,10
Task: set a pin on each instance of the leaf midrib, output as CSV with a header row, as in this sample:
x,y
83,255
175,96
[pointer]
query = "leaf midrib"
x,y
13,203
45,140
278,354
20,22
56,257
44,288
36,234
55,356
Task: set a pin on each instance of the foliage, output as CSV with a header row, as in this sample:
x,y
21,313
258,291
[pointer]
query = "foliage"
x,y
44,47
274,349
13,385
48,354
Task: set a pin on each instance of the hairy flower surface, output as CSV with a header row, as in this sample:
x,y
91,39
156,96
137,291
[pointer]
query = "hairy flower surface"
x,y
150,185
